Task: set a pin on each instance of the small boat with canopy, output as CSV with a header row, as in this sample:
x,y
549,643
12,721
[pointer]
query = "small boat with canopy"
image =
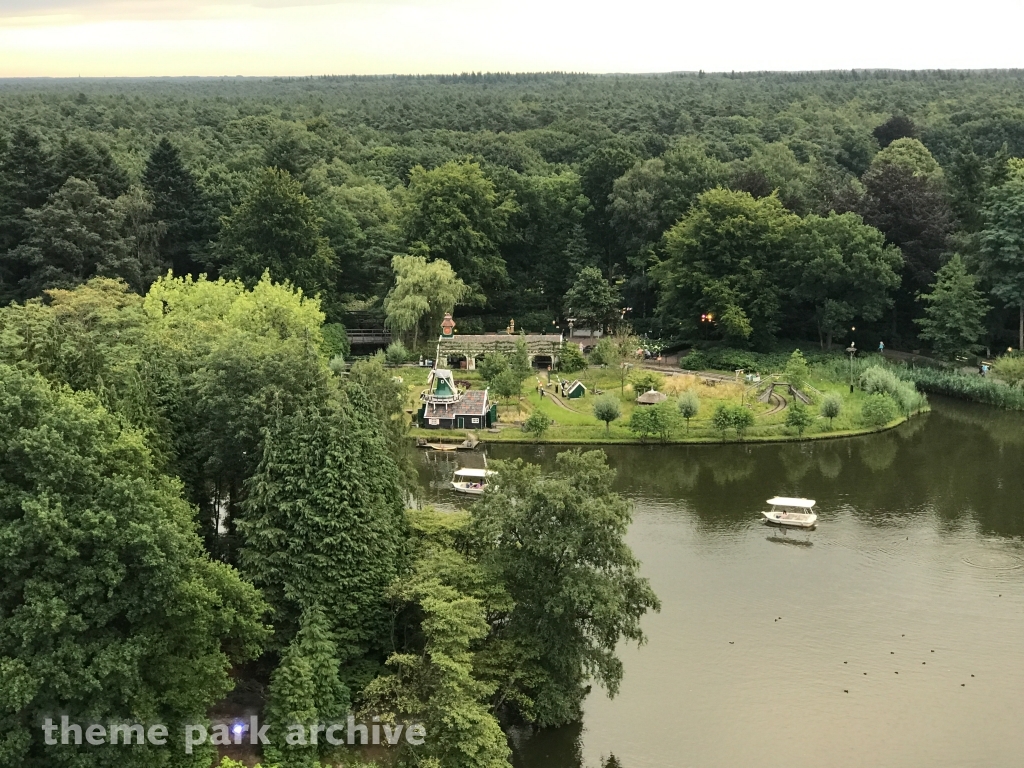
x,y
471,481
793,513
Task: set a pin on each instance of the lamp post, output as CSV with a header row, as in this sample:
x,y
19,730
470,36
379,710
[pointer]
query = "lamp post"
x,y
851,351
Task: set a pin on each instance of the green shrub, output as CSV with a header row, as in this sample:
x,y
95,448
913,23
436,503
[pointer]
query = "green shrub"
x,y
965,387
732,417
831,407
742,419
797,371
689,406
642,422
335,340
877,379
396,353
493,364
1010,369
695,361
607,409
337,364
537,424
570,359
649,420
798,417
644,381
878,410
604,353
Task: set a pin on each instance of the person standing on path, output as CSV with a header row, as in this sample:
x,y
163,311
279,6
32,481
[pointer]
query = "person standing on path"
x,y
881,348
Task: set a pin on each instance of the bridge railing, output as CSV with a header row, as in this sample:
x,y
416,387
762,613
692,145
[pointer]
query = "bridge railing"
x,y
368,336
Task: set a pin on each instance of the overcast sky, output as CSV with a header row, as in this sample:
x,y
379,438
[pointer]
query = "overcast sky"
x,y
303,37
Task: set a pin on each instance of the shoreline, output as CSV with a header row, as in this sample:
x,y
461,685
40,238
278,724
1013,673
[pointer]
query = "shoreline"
x,y
521,438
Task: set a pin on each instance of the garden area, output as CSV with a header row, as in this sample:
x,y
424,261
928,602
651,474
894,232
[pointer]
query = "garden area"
x,y
715,404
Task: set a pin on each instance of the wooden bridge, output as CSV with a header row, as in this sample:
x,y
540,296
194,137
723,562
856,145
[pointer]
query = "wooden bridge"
x,y
367,337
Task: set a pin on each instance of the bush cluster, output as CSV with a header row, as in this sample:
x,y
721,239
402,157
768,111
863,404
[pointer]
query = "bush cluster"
x,y
879,380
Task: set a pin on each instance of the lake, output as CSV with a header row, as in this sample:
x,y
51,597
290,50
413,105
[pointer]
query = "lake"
x,y
892,635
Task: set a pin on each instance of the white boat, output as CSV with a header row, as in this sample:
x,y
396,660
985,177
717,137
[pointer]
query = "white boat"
x,y
795,513
471,481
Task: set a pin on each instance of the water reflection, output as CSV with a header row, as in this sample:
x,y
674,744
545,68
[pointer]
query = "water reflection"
x,y
915,576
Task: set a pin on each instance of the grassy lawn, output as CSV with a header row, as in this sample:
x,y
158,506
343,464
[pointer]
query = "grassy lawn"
x,y
577,424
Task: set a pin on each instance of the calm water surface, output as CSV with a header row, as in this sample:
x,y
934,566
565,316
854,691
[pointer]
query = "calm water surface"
x,y
893,635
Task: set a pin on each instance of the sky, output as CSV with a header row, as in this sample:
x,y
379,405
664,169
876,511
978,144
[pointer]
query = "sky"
x,y
108,38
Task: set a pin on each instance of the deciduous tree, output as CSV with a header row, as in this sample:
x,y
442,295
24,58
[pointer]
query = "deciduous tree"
x,y
558,543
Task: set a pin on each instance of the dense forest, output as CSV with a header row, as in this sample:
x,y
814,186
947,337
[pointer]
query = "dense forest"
x,y
201,491
522,182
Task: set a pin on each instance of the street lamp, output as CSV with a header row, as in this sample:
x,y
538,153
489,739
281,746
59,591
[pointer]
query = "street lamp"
x,y
851,351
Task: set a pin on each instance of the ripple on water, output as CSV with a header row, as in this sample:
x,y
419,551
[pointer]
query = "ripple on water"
x,y
994,560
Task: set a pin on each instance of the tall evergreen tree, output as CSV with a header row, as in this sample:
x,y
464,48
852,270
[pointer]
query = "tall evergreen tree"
x,y
305,690
91,162
180,205
954,319
26,181
76,235
324,521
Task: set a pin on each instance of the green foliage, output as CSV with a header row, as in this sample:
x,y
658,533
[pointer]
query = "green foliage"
x,y
558,543
728,417
966,387
592,300
831,407
494,363
648,420
275,229
878,410
396,353
323,522
180,208
456,213
843,270
797,370
607,409
76,235
954,318
335,340
877,379
1010,369
423,293
643,422
570,359
646,380
689,406
111,608
441,609
1000,256
799,417
507,385
305,690
722,257
536,424
519,360
906,200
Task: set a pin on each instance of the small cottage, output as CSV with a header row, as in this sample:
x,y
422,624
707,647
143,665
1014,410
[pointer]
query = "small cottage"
x,y
574,390
446,407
